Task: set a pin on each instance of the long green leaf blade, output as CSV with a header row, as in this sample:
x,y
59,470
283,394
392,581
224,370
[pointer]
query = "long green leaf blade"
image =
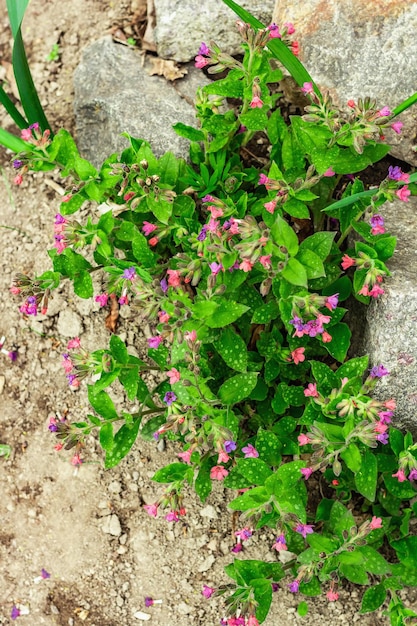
x,y
12,110
27,90
13,143
278,49
405,104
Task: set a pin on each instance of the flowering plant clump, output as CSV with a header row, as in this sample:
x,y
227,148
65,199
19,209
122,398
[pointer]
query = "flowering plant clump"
x,y
243,270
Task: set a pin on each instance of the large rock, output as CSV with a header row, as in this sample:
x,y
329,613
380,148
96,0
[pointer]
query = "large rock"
x,y
114,93
356,48
391,329
181,25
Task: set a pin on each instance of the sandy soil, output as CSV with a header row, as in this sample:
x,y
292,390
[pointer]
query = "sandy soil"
x,y
87,528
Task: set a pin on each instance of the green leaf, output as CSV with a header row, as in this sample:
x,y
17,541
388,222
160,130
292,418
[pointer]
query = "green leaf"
x,y
189,132
339,345
237,388
324,376
226,313
284,235
123,442
161,208
269,447
170,473
404,490
295,273
106,436
129,378
255,470
262,591
118,350
352,457
101,403
367,476
265,313
232,349
312,263
296,208
353,367
302,609
354,573
373,598
141,250
374,562
252,499
255,119
203,483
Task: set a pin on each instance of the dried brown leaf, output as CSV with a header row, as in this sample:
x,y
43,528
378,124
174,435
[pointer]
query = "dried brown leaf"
x,y
113,316
168,69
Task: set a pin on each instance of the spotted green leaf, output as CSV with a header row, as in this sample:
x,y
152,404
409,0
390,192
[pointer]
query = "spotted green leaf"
x,y
226,313
123,442
238,388
366,477
232,349
269,447
373,598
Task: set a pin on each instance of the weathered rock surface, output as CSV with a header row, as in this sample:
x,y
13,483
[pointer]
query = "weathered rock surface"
x,y
391,328
181,25
115,94
357,48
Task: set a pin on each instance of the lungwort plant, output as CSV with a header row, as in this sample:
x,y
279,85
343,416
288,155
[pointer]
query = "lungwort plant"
x,y
244,266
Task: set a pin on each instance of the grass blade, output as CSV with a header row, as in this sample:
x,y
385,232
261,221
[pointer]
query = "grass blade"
x,y
405,104
278,49
27,90
12,110
13,143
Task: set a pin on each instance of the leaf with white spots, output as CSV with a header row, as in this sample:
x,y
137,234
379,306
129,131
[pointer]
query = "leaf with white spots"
x,y
232,349
123,442
238,388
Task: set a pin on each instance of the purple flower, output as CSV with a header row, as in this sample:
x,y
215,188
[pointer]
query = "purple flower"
x,y
382,438
169,397
59,219
12,355
394,172
376,220
204,49
202,234
378,371
304,529
275,587
229,446
129,273
154,342
45,574
413,474
164,285
17,164
298,323
15,612
332,301
250,452
208,198
215,268
208,591
148,601
294,586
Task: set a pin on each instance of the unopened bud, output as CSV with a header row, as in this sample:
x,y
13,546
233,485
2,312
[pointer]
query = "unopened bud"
x,y
144,164
337,467
155,178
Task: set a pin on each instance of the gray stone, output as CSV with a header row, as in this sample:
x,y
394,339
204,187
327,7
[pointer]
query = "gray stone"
x,y
115,94
181,25
358,48
111,526
391,330
209,511
69,324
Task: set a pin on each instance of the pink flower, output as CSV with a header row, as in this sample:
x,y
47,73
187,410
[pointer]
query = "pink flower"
x,y
380,427
208,591
303,440
298,355
400,475
376,291
307,89
148,228
376,522
294,586
403,193
332,302
265,261
274,31
154,342
201,61
73,344
244,534
280,544
223,457
246,265
191,335
326,337
256,102
263,180
364,291
351,104
151,509
18,179
172,516
67,364
332,595
390,404
295,48
102,299
76,460
396,127
218,472
128,196
270,206
250,452
384,112
174,278
26,134
252,621
215,211
347,262
329,173
186,456
290,28
173,375
311,391
163,317
153,241
306,472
